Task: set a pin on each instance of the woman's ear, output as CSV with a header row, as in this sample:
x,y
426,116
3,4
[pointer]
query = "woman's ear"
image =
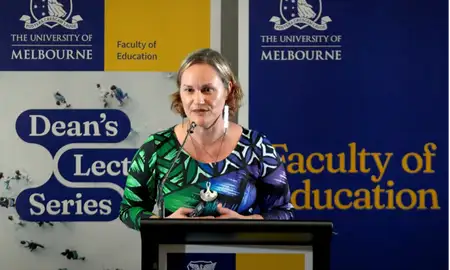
x,y
229,89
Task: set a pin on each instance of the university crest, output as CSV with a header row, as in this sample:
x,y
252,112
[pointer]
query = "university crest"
x,y
300,14
201,265
51,13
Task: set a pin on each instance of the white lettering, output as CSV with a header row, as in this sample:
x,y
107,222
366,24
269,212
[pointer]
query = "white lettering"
x,y
105,207
54,37
71,129
90,207
100,168
51,54
53,207
301,55
58,128
78,171
37,204
111,128
34,125
69,207
305,39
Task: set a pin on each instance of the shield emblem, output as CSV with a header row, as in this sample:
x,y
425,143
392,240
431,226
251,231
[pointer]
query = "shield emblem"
x,y
201,265
308,9
61,9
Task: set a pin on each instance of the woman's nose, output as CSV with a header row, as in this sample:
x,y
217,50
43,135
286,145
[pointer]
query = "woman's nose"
x,y
199,98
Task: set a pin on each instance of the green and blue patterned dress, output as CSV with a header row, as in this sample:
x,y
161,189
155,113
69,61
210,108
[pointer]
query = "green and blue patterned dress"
x,y
251,180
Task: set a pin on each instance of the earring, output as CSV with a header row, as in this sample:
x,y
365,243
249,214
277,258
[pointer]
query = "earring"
x,y
225,117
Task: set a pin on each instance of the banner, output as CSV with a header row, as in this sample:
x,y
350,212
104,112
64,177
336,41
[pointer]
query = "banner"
x,y
355,99
68,35
84,83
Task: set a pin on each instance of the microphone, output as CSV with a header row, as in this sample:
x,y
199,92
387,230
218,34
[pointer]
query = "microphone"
x,y
160,195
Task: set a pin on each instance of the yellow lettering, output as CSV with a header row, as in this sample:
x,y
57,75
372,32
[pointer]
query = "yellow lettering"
x,y
341,166
298,166
364,199
328,199
309,163
306,194
377,198
390,195
381,166
400,202
352,158
380,197
337,199
362,161
406,166
428,154
344,162
422,199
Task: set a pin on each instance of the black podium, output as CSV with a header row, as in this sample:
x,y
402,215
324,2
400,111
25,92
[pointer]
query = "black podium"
x,y
313,236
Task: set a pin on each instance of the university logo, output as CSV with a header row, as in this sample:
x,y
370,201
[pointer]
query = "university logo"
x,y
300,14
51,13
201,265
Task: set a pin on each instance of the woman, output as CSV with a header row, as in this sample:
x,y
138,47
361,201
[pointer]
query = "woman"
x,y
237,166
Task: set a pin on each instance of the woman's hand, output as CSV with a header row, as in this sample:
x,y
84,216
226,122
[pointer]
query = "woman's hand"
x,y
183,212
226,213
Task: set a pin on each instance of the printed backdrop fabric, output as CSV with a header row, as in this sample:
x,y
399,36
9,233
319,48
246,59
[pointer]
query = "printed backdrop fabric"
x,y
355,96
70,135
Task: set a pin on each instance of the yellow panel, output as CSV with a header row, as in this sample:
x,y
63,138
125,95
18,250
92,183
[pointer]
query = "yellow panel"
x,y
271,261
169,30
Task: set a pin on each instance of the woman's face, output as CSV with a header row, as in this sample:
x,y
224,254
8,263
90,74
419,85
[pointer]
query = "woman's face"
x,y
203,94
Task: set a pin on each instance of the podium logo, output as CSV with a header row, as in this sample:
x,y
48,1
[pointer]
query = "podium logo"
x,y
201,265
51,13
300,14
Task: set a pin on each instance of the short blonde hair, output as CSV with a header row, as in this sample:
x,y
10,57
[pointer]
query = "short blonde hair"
x,y
223,69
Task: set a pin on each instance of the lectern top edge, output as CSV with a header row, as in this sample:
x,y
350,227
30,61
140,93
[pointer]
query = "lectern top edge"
x,y
230,226
238,222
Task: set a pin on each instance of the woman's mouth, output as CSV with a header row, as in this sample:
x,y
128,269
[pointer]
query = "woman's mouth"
x,y
200,110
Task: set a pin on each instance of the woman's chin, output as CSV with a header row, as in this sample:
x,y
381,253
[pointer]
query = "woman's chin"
x,y
201,121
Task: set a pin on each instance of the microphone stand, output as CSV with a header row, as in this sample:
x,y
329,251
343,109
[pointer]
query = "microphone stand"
x,y
160,195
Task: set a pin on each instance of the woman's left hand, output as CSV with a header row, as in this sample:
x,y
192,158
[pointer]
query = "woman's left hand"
x,y
226,213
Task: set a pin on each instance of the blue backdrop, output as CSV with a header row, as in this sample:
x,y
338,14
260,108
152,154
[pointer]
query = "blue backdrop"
x,y
325,74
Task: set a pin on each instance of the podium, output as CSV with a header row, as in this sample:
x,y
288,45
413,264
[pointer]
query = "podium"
x,y
175,244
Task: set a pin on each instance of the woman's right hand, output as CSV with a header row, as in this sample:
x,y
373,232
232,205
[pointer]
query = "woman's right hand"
x,y
183,212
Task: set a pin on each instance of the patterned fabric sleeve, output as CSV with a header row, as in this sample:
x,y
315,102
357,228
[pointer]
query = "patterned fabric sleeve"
x,y
273,190
139,192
